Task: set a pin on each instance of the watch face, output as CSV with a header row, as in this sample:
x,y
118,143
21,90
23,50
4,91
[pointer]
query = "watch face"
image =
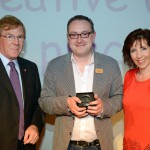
x,y
86,98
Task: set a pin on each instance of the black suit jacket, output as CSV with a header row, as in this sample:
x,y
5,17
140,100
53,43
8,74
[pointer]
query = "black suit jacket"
x,y
9,108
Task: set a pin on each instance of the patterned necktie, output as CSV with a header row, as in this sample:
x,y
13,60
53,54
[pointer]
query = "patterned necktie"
x,y
14,78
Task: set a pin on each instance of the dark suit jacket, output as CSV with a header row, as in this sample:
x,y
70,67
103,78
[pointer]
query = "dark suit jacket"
x,y
59,84
9,108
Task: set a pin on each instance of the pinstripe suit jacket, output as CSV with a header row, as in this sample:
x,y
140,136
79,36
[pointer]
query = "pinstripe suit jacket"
x,y
59,83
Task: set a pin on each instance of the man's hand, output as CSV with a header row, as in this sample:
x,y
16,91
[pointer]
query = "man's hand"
x,y
31,135
77,111
95,108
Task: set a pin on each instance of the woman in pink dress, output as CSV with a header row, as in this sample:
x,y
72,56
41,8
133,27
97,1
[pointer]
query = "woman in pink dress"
x,y
136,101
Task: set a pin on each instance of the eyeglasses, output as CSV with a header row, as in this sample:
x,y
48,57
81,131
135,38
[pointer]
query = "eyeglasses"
x,y
11,37
82,35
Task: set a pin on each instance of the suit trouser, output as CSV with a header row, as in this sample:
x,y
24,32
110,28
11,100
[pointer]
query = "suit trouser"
x,y
20,145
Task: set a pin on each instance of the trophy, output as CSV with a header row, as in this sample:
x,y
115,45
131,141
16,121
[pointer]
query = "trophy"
x,y
86,98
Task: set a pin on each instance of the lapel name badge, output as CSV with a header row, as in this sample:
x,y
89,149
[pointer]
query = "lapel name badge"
x,y
97,70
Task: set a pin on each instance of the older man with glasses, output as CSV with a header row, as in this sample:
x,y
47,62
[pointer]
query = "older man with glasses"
x,y
20,114
83,89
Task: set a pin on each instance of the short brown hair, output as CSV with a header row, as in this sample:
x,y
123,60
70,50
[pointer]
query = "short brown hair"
x,y
10,22
136,35
81,17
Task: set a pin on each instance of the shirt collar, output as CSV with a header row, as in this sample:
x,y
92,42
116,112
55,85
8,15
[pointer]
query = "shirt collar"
x,y
5,60
91,62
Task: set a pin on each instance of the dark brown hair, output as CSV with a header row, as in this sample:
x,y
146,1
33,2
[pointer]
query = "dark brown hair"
x,y
81,17
136,35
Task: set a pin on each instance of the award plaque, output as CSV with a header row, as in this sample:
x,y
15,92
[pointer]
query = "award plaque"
x,y
86,98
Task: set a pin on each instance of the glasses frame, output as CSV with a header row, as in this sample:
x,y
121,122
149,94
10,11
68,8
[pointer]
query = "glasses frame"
x,y
82,35
11,37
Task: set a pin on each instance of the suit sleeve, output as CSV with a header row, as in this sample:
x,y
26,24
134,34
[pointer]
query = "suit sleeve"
x,y
38,115
113,103
51,101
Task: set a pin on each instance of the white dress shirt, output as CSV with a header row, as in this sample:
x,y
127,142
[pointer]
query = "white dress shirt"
x,y
84,128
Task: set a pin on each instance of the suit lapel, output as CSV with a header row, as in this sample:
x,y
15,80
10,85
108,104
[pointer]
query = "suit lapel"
x,y
69,83
23,72
98,74
69,77
4,78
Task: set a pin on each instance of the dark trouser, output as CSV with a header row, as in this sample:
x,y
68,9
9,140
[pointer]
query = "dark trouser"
x,y
77,146
20,145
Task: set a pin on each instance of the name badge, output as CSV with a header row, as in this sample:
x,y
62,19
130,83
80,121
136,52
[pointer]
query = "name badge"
x,y
97,70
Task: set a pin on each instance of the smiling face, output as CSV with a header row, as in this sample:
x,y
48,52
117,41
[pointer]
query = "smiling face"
x,y
81,47
140,54
11,48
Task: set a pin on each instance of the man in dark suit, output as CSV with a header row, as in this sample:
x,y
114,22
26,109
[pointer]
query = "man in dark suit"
x,y
82,71
12,36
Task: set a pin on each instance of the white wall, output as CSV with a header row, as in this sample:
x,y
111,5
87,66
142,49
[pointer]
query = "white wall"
x,y
46,21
